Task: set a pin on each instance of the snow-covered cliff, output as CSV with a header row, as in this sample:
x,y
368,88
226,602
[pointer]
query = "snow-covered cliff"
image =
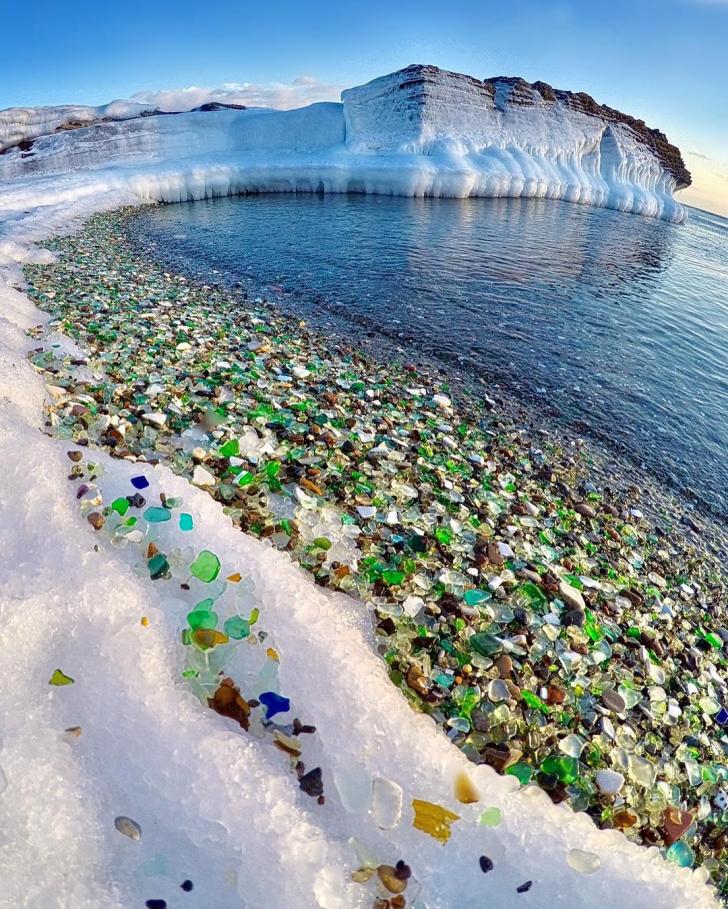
x,y
506,137
420,131
21,124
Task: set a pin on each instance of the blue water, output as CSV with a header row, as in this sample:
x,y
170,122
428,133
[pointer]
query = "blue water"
x,y
615,322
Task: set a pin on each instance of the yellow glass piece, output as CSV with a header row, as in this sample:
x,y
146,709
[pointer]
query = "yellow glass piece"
x,y
465,789
144,621
273,654
235,578
205,638
433,819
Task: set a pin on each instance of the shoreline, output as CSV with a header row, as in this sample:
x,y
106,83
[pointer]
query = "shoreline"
x,y
510,516
669,504
532,406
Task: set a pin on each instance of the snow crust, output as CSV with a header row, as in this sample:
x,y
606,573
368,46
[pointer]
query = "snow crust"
x,y
217,805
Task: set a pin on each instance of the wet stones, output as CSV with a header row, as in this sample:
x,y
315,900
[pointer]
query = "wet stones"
x,y
516,601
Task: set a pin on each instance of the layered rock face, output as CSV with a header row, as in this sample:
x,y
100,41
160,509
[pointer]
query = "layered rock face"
x,y
506,136
421,103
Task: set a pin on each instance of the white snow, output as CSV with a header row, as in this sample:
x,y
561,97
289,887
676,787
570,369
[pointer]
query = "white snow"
x,y
18,123
215,804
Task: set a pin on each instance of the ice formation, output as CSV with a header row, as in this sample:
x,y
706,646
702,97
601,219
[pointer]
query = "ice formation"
x,y
212,803
418,132
20,124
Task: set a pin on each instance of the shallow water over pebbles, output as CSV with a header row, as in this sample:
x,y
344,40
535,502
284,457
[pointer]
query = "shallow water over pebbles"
x,y
615,322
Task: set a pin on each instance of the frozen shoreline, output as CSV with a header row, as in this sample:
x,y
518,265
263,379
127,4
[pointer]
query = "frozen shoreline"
x,y
218,806
533,832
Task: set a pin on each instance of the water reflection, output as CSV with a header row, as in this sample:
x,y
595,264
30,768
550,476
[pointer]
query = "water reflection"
x,y
615,320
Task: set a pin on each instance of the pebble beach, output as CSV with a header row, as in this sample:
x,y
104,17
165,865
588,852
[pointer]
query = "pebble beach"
x,y
566,630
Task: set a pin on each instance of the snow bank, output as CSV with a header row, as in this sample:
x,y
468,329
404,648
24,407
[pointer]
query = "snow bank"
x,y
22,123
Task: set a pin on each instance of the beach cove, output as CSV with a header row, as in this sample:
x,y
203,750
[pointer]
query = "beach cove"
x,y
538,615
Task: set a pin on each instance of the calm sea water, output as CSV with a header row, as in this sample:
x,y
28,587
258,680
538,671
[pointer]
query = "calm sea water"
x,y
615,321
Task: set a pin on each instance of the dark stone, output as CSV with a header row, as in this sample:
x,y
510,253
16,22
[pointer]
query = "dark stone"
x,y
572,617
387,626
187,886
486,864
496,756
612,700
690,522
311,783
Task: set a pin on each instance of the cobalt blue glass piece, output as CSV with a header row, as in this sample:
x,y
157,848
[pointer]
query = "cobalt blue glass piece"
x,y
139,482
722,716
274,704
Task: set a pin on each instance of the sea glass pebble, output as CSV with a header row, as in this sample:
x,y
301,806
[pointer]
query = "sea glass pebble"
x,y
274,703
158,566
201,618
128,827
237,627
681,854
491,817
583,862
386,802
206,566
433,819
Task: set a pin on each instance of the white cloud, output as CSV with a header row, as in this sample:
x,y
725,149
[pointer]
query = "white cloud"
x,y
697,154
283,95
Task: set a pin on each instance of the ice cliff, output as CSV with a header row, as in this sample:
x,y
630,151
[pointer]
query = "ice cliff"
x,y
507,137
420,131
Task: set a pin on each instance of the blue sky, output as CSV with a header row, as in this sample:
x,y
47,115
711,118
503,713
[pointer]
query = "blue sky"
x,y
663,60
